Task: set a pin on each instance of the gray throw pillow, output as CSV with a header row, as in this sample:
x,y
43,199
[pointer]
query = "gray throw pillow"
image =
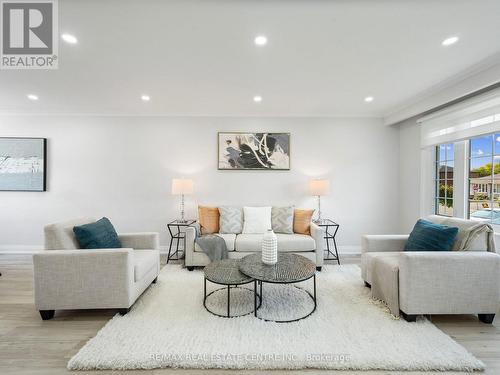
x,y
231,220
282,219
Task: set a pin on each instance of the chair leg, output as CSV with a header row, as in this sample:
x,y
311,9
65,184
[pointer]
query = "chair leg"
x,y
190,268
155,280
123,311
367,284
318,268
486,318
408,317
47,314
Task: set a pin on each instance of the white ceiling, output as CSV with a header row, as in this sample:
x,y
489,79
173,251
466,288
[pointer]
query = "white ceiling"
x,y
198,57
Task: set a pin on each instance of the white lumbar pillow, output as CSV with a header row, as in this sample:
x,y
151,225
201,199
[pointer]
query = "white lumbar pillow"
x,y
256,219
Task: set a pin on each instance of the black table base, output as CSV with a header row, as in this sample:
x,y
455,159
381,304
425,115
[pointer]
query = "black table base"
x,y
261,296
331,251
228,288
177,235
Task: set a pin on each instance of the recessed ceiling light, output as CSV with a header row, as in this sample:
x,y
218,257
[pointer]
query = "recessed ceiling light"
x,y
449,41
369,99
68,38
145,98
32,97
257,99
260,40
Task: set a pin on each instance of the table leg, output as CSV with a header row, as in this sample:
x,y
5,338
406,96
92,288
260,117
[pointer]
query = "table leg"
x,y
170,248
327,236
228,300
255,298
336,251
204,289
177,243
314,281
260,291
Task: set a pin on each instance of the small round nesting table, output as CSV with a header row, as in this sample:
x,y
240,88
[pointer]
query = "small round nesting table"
x,y
226,272
289,269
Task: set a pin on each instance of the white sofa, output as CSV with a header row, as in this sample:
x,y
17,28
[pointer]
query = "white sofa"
x,y
68,278
240,245
436,282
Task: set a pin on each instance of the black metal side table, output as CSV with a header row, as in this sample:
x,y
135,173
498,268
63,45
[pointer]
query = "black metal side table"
x,y
331,229
174,228
226,272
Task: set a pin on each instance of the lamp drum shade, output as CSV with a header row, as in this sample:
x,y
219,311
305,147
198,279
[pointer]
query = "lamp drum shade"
x,y
182,186
319,187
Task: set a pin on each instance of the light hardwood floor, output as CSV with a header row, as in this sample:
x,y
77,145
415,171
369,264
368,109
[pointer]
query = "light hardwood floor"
x,y
29,345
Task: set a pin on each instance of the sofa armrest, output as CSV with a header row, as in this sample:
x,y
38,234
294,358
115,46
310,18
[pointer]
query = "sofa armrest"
x,y
138,241
189,250
444,282
83,279
318,233
383,242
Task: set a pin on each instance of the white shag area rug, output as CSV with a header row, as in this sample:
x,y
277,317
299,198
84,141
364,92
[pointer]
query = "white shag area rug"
x,y
169,327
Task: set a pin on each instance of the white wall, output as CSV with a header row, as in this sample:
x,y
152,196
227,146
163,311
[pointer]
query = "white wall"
x,y
409,174
121,167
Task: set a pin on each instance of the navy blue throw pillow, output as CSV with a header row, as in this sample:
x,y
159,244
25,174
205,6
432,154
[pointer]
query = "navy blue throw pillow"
x,y
98,235
427,236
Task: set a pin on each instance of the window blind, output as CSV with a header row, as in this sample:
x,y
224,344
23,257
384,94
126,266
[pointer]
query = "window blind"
x,y
471,118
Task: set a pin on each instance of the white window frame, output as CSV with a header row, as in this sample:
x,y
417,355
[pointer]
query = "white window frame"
x,y
492,156
437,167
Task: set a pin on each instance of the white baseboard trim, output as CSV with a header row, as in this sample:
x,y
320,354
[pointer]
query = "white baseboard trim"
x,y
349,249
32,249
20,249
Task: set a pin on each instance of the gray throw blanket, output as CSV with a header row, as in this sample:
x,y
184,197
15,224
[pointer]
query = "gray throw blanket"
x,y
212,245
466,236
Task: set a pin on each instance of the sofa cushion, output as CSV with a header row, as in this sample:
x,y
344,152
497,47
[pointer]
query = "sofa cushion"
x,y
60,236
231,220
98,235
282,219
286,242
144,261
427,236
228,237
256,219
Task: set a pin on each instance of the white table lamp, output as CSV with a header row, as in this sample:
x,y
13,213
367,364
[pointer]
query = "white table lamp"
x,y
319,188
182,186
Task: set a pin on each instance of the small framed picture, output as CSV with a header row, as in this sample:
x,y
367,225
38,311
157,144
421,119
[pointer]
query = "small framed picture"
x,y
23,164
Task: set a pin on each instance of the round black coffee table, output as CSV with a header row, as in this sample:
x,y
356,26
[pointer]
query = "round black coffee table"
x,y
290,269
226,272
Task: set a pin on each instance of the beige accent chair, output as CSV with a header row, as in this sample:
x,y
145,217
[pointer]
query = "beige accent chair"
x,y
239,245
434,282
69,278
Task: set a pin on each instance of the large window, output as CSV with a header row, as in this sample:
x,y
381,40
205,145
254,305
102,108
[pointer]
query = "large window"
x,y
484,178
443,197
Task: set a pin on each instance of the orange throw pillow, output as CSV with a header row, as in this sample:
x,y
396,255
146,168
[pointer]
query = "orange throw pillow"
x,y
209,219
302,221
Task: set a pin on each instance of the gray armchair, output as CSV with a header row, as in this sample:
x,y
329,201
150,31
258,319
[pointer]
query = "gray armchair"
x,y
434,282
68,278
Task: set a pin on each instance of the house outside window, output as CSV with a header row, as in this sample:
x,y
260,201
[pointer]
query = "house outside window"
x,y
444,167
484,178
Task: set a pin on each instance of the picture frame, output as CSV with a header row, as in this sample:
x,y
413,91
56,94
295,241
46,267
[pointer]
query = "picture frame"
x,y
262,151
23,164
